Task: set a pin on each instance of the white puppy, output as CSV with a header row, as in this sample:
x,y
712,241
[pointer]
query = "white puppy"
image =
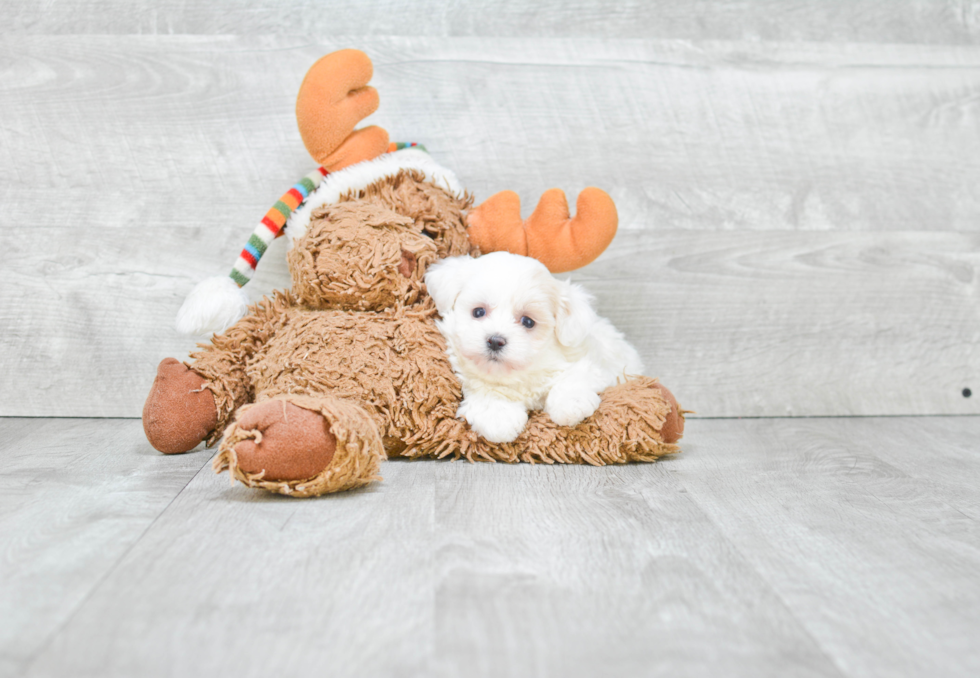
x,y
520,339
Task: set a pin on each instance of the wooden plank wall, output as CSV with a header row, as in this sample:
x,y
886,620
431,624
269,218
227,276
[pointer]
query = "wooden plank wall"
x,y
797,182
877,21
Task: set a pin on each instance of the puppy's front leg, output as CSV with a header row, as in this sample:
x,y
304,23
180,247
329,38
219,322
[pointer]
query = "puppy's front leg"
x,y
572,398
499,421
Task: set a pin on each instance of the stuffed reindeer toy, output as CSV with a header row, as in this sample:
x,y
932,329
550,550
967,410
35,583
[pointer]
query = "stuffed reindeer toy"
x,y
311,388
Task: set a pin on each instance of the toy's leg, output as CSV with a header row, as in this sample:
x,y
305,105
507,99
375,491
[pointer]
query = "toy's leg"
x,y
302,446
638,420
673,426
179,412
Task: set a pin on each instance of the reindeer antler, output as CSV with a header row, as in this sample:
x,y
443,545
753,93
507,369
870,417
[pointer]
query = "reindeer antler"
x,y
550,234
333,98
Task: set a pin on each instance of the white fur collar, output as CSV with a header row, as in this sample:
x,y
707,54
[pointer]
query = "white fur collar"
x,y
362,175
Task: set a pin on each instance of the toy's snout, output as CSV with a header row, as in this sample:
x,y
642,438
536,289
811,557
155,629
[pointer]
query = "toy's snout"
x,y
409,264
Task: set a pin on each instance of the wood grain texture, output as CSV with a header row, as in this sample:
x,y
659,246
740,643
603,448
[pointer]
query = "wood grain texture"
x,y
736,324
922,21
813,547
75,496
796,324
570,571
133,166
877,564
233,582
164,130
944,468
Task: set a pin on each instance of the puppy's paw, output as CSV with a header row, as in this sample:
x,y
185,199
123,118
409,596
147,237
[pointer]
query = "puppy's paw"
x,y
499,421
568,407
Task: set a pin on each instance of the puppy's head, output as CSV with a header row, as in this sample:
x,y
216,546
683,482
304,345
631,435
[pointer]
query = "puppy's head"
x,y
505,313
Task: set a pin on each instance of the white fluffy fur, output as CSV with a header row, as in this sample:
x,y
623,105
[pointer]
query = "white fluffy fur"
x,y
213,306
364,174
559,365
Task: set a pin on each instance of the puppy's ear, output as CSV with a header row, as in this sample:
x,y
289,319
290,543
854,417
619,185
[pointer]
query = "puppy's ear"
x,y
575,316
445,281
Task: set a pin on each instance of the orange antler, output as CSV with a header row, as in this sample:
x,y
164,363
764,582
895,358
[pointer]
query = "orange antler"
x,y
333,98
550,234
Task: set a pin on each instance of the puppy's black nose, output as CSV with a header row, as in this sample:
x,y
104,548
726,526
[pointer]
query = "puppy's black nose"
x,y
496,342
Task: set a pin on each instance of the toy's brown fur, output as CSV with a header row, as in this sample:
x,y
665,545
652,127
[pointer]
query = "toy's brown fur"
x,y
355,340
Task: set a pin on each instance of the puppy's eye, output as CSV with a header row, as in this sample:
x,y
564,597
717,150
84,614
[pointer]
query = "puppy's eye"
x,y
479,312
527,322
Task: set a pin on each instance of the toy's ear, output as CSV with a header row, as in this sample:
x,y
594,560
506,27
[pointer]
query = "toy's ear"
x,y
333,98
575,316
445,279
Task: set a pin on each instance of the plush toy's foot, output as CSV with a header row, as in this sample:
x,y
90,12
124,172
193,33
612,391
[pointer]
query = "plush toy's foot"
x,y
179,412
673,426
290,443
302,446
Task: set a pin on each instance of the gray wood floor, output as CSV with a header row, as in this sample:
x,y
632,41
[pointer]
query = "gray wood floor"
x,y
770,547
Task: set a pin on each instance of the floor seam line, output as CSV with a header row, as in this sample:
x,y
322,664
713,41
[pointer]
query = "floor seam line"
x,y
64,624
789,609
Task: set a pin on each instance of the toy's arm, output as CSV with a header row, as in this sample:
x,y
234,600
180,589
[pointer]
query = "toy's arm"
x,y
223,362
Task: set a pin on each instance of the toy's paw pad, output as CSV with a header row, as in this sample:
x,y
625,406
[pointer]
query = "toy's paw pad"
x,y
496,421
179,412
292,443
570,407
